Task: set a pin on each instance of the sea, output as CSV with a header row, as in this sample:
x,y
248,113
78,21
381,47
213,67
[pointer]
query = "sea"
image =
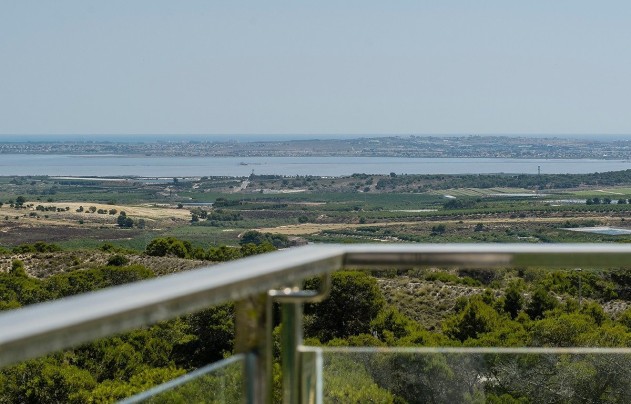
x,y
164,167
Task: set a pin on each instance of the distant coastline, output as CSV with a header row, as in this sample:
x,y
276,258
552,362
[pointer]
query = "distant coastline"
x,y
412,146
273,137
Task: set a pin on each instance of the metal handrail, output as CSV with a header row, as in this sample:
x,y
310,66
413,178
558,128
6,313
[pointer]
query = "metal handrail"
x,y
46,327
43,328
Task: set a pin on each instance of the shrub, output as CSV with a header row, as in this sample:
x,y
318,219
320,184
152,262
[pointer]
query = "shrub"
x,y
117,260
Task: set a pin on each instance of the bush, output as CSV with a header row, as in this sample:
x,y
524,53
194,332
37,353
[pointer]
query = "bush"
x,y
256,237
117,260
17,268
164,246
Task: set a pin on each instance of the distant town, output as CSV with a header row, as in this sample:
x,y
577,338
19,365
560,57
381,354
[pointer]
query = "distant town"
x,y
393,146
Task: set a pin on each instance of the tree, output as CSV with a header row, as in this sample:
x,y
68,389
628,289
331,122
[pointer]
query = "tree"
x,y
41,246
164,246
513,300
459,204
541,302
253,249
354,302
476,318
124,221
224,253
214,336
438,229
562,331
252,237
390,324
19,201
256,237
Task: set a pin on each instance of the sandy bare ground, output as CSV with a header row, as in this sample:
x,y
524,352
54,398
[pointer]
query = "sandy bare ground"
x,y
155,212
146,211
55,225
313,228
608,192
18,226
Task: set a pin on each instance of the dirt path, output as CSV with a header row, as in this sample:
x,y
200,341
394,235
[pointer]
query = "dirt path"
x,y
313,228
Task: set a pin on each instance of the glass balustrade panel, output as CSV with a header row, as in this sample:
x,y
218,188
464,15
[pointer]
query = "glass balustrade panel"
x,y
218,383
409,375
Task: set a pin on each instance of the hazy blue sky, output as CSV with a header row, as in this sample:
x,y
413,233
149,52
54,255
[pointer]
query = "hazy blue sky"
x,y
318,67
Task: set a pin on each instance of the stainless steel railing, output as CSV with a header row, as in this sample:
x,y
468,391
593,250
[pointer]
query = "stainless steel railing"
x,y
43,328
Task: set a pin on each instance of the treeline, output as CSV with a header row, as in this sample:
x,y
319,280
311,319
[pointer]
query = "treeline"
x,y
39,246
252,242
605,201
199,216
532,181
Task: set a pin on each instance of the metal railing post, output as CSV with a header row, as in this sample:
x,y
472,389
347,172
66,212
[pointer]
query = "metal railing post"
x,y
292,300
251,339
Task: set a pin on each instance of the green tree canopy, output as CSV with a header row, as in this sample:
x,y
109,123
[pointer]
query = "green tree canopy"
x,y
354,302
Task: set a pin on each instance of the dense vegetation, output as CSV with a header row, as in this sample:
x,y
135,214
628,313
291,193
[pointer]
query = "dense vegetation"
x,y
518,308
543,181
116,367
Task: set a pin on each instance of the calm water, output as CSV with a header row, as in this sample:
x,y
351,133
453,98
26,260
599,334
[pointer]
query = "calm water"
x,y
72,165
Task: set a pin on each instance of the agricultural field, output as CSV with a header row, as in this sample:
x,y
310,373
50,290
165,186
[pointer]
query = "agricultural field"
x,y
361,208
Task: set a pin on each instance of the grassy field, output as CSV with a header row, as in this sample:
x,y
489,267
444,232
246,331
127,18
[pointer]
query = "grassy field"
x,y
482,192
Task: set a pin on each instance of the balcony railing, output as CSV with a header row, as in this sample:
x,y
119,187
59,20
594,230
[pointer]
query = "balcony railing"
x,y
254,283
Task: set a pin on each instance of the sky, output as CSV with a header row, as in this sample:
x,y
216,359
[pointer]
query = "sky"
x,y
301,68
